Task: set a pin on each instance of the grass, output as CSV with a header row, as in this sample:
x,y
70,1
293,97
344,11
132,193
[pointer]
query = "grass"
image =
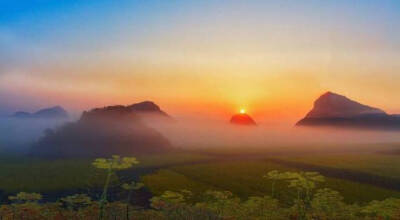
x,y
244,178
36,175
21,173
198,172
373,163
168,159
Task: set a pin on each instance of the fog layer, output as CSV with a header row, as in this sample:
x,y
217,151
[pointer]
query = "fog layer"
x,y
206,134
18,134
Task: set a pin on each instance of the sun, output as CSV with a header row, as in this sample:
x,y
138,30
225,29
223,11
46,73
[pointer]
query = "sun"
x,y
242,111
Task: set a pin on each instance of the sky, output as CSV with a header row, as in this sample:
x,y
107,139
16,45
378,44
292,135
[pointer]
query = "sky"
x,y
209,58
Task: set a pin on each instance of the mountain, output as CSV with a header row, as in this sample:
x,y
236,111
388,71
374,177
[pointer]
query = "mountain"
x,y
147,107
242,119
332,109
54,112
102,132
22,115
332,105
46,113
150,112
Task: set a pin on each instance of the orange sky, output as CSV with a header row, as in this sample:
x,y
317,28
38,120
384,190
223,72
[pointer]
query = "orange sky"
x,y
208,58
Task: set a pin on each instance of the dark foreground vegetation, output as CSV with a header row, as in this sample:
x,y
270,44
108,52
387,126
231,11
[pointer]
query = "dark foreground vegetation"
x,y
310,201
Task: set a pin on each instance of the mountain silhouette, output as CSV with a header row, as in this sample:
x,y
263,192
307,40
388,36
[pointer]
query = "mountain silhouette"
x,y
242,119
332,109
102,132
49,113
147,107
150,112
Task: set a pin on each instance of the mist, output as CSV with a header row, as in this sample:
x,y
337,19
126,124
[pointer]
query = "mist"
x,y
207,134
17,135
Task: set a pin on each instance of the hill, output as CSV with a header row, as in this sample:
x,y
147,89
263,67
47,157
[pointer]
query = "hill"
x,y
46,113
102,132
332,109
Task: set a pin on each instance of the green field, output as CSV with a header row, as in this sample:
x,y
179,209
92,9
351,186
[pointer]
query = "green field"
x,y
200,171
37,175
22,173
245,178
373,163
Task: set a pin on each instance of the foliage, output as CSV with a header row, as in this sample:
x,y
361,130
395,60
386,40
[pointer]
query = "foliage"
x,y
244,178
111,165
77,201
386,209
323,203
223,203
304,183
280,194
262,208
132,186
169,198
328,204
24,197
115,162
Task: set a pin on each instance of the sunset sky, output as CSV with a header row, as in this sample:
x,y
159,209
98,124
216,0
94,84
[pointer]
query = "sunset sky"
x,y
273,58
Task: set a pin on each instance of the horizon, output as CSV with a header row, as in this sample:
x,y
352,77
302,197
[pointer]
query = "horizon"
x,y
207,58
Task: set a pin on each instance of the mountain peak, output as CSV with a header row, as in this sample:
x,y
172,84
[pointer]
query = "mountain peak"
x,y
114,112
146,107
332,105
332,109
52,112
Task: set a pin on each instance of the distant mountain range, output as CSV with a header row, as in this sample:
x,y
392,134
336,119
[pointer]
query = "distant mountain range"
x,y
336,110
46,113
104,132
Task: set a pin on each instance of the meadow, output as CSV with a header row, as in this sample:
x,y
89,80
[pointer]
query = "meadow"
x,y
379,164
67,176
244,178
199,171
200,185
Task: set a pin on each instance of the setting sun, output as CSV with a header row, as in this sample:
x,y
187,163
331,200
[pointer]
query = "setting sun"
x,y
242,111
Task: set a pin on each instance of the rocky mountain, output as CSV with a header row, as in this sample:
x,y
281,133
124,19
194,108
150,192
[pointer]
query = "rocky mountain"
x,y
332,109
147,107
46,113
337,106
242,119
102,132
150,112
